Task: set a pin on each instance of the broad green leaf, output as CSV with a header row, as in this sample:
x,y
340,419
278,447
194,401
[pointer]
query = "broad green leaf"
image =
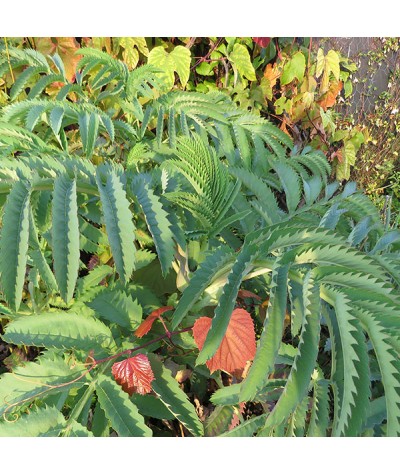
x,y
65,236
120,410
248,428
240,57
50,374
151,406
117,306
299,378
348,160
158,223
59,330
14,243
39,422
200,281
226,303
271,335
181,57
294,68
119,224
176,400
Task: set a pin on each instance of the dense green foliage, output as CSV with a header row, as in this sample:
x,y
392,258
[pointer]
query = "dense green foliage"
x,y
120,196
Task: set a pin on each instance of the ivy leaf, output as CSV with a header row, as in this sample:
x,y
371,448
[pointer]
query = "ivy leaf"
x,y
327,64
240,57
294,68
329,98
348,160
132,46
238,345
178,60
134,374
146,325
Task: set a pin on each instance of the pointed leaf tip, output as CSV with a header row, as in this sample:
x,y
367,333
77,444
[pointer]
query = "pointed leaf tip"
x,y
146,325
238,345
134,374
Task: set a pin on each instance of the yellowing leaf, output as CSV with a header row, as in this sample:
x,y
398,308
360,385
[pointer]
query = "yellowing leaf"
x,y
348,160
283,104
329,98
272,73
131,47
327,64
65,47
240,58
178,60
294,68
238,345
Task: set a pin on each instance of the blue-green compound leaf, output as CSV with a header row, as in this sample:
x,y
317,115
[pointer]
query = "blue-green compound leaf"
x,y
226,304
177,402
157,222
200,281
120,410
37,423
271,336
119,225
50,374
304,363
116,306
65,236
14,243
59,330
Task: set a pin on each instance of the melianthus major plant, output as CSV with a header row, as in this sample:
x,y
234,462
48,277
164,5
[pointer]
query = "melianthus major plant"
x,y
139,230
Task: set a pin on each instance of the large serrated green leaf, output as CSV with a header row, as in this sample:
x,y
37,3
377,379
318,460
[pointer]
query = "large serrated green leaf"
x,y
14,243
158,223
120,410
168,390
59,330
65,236
389,365
89,129
299,378
247,428
226,303
119,225
50,374
37,423
116,306
354,402
200,281
271,335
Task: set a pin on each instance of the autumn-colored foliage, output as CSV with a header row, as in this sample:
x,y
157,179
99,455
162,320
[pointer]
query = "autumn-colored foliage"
x,y
134,374
146,325
238,345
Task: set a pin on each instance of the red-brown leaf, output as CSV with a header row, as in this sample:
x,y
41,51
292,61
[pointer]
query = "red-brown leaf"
x,y
246,294
146,325
238,345
262,41
134,374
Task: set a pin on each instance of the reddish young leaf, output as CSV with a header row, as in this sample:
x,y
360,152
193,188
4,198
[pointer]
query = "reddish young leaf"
x,y
238,345
134,374
146,325
246,294
262,41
